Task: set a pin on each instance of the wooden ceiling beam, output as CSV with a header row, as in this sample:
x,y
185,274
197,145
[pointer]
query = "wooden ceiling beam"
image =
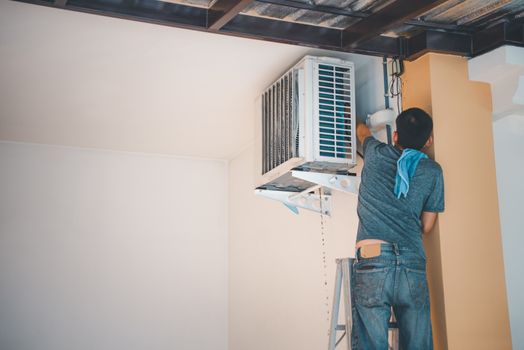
x,y
384,19
305,35
504,33
149,11
223,11
470,45
437,41
285,32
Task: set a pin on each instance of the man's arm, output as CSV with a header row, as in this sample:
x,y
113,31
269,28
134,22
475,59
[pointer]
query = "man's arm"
x,y
428,219
434,203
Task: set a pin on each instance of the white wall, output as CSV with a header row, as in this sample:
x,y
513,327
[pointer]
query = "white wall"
x,y
277,295
509,156
503,69
106,250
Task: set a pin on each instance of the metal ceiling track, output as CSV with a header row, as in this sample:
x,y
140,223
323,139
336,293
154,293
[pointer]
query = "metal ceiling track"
x,y
365,36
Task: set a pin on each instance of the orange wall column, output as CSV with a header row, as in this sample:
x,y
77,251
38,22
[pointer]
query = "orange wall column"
x,y
465,261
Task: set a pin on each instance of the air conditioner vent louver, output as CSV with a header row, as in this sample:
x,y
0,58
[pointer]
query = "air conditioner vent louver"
x,y
279,131
306,122
334,110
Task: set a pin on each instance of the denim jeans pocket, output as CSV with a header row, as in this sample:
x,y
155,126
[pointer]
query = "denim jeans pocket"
x,y
369,283
418,286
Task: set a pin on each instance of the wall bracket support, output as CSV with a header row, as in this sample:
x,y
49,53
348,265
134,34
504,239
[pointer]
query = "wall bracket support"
x,y
307,199
344,183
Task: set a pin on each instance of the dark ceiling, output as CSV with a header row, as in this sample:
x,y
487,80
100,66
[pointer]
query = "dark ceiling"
x,y
393,28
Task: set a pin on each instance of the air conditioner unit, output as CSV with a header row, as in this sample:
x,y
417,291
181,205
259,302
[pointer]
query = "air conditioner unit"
x,y
305,129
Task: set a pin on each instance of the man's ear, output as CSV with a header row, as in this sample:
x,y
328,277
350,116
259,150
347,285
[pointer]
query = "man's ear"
x,y
395,137
429,142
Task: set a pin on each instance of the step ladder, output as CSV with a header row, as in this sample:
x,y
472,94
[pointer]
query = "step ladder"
x,y
343,280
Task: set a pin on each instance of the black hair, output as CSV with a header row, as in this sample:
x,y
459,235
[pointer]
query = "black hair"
x,y
414,127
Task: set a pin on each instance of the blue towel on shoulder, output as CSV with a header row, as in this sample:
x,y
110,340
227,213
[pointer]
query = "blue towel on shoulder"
x,y
406,166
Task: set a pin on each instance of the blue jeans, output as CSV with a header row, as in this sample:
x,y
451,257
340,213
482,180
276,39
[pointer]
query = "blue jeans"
x,y
396,278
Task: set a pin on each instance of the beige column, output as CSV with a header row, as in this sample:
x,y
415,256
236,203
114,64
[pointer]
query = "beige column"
x,y
465,262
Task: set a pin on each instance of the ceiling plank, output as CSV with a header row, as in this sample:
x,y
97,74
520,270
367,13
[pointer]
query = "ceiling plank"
x,y
223,11
384,19
358,14
319,8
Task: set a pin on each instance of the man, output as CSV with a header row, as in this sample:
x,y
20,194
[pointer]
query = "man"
x,y
400,195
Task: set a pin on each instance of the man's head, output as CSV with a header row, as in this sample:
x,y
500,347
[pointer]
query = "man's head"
x,y
414,127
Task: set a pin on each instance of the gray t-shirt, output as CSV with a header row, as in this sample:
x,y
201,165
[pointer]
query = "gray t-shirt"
x,y
382,215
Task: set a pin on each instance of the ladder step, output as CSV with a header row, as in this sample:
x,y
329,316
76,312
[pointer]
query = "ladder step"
x,y
341,327
393,325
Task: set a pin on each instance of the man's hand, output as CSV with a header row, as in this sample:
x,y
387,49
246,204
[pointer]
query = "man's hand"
x,y
379,120
362,132
428,220
375,122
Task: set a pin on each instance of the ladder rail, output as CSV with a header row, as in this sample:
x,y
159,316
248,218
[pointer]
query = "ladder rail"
x,y
346,280
335,308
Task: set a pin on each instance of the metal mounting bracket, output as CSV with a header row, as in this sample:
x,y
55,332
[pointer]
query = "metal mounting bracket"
x,y
344,183
306,199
